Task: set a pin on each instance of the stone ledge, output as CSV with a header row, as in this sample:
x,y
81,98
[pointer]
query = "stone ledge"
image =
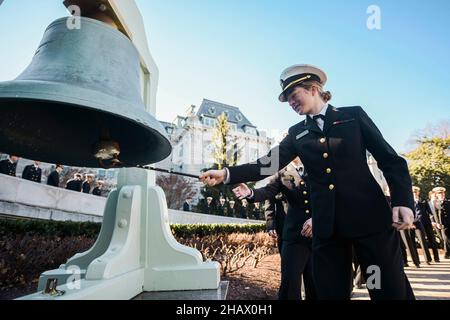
x,y
215,294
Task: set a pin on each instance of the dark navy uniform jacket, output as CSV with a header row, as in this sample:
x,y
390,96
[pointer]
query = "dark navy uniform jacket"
x,y
74,185
8,168
32,173
346,200
445,213
296,191
53,179
423,213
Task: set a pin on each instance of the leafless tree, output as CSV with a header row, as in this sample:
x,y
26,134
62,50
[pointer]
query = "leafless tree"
x,y
441,129
176,188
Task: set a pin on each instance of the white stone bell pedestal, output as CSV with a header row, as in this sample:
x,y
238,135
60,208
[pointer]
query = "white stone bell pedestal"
x,y
134,253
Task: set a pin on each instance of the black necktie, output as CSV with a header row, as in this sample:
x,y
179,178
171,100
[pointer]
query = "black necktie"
x,y
319,116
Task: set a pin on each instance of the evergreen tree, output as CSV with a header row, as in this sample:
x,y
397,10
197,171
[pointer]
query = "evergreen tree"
x,y
429,164
226,153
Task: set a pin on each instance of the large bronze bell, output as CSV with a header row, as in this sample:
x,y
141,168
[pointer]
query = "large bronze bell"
x,y
78,103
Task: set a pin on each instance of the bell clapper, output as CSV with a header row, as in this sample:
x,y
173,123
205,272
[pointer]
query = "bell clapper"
x,y
107,150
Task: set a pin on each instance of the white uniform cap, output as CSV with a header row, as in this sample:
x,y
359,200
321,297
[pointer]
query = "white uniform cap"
x,y
297,74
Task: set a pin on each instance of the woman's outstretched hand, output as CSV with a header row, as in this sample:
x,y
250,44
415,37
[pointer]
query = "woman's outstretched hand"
x,y
213,177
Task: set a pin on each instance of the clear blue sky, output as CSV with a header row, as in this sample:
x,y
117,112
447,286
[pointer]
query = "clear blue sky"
x,y
234,51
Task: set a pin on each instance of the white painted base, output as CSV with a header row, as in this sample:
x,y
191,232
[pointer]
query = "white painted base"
x,y
135,251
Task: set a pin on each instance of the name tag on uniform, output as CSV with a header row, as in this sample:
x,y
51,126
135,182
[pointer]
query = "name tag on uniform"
x,y
301,135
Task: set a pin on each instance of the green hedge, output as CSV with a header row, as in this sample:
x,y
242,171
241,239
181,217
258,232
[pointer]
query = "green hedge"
x,y
184,231
49,228
91,229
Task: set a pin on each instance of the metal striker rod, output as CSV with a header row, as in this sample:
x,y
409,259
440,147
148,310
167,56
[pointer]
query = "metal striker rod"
x,y
169,171
151,168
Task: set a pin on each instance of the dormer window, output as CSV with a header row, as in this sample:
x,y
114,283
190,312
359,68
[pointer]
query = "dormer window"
x,y
250,130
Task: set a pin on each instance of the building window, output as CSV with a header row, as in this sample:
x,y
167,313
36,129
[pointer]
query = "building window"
x,y
233,127
209,122
250,130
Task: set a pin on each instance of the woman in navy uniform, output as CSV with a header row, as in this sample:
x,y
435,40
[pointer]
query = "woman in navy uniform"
x,y
297,230
349,206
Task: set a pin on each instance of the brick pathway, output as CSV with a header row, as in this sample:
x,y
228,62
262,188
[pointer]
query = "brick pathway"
x,y
429,282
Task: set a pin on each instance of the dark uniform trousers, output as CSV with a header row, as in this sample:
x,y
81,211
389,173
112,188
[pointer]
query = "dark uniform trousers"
x,y
404,247
296,260
419,232
423,223
407,243
349,207
296,250
426,217
332,259
275,213
429,232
